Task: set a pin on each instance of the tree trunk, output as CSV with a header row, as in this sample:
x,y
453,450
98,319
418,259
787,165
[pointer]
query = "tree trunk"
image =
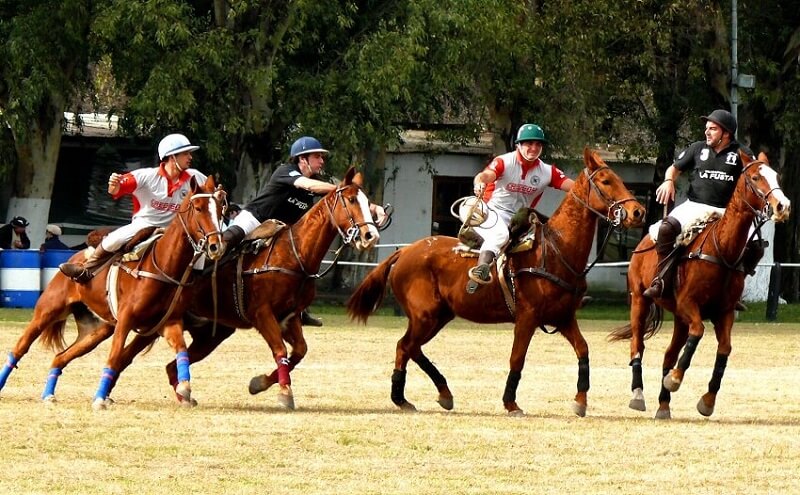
x,y
37,153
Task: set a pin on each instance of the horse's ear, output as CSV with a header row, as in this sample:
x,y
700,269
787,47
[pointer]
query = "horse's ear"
x,y
762,157
591,158
349,175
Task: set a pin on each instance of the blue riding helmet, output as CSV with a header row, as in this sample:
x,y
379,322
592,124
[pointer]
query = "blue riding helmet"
x,y
306,145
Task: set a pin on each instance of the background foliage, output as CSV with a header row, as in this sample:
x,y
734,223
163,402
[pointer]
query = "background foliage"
x,y
245,78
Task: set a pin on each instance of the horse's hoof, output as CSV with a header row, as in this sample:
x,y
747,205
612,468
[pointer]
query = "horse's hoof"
x,y
286,397
663,414
184,393
99,405
49,400
185,403
637,405
259,384
637,401
286,401
516,413
407,407
579,409
446,403
703,409
670,383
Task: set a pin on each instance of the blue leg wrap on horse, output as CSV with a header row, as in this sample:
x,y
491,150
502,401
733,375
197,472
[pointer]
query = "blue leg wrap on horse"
x,y
583,374
428,367
636,370
719,369
512,382
106,379
664,395
398,387
10,365
50,385
688,352
182,360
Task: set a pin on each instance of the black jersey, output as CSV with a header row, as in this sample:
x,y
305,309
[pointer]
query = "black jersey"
x,y
280,199
712,175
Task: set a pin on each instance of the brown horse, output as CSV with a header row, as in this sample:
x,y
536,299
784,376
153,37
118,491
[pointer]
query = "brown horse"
x,y
428,279
710,281
265,290
147,296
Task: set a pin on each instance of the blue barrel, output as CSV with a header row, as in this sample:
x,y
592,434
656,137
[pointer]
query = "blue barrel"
x,y
50,261
20,282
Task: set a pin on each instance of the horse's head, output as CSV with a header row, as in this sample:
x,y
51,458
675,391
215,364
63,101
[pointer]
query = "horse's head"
x,y
763,192
201,217
607,195
349,210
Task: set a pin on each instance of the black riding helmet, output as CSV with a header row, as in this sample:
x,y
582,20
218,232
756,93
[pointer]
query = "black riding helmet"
x,y
724,119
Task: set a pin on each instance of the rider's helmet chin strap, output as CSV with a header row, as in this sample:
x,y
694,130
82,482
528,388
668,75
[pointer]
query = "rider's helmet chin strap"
x,y
177,165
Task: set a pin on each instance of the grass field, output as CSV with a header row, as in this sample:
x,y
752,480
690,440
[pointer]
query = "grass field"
x,y
347,437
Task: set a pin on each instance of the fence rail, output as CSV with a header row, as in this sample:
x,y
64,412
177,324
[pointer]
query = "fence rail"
x,y
773,293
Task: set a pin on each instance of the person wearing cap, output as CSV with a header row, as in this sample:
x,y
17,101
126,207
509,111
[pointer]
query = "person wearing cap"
x,y
51,239
511,181
713,167
230,213
288,195
13,235
157,194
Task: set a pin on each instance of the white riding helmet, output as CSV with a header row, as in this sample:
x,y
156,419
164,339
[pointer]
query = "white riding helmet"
x,y
173,144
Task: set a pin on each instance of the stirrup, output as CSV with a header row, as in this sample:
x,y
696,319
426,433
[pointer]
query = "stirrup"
x,y
475,279
655,289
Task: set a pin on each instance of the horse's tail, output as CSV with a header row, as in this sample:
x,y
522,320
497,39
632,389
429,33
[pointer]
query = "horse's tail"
x,y
368,296
652,324
52,336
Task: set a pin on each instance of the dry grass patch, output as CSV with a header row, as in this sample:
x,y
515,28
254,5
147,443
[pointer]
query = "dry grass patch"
x,y
347,437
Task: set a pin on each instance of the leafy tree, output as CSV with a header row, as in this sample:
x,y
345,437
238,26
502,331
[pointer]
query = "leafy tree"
x,y
45,60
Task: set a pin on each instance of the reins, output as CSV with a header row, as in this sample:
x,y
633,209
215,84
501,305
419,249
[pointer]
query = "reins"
x,y
760,217
615,215
198,250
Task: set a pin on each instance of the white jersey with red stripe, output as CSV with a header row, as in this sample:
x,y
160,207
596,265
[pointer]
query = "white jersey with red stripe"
x,y
519,185
155,197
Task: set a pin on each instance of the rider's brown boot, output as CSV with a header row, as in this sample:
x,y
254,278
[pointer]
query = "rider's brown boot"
x,y
82,272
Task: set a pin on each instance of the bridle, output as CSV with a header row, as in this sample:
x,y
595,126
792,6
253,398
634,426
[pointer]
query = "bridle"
x,y
200,245
761,216
764,197
348,236
615,214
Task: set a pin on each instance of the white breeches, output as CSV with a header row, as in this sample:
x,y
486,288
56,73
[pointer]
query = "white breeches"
x,y
246,221
688,213
117,238
494,230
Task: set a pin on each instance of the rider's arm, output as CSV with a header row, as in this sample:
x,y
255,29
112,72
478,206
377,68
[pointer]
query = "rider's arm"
x,y
484,178
315,186
666,191
566,186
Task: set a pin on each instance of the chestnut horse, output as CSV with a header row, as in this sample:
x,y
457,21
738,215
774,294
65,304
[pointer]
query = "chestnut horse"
x,y
147,296
266,289
428,277
709,282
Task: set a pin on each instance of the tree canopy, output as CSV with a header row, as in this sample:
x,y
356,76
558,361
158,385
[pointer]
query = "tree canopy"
x,y
245,78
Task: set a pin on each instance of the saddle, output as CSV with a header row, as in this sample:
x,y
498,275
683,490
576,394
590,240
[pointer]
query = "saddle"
x,y
522,234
